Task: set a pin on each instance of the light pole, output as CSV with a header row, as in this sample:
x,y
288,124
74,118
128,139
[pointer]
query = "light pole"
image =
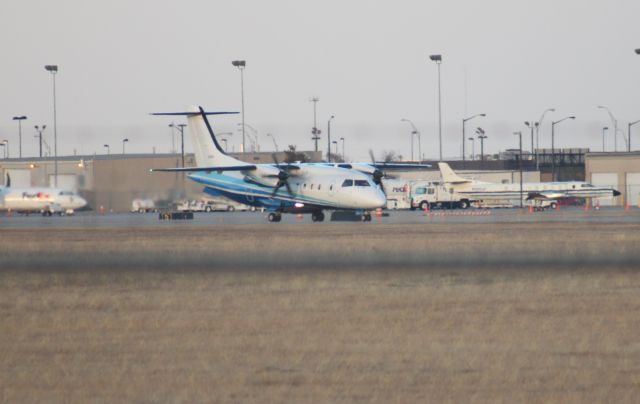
x,y
123,143
4,150
538,125
417,134
614,122
519,134
629,134
343,156
329,139
40,136
315,131
604,129
553,150
335,143
473,148
241,64
274,141
532,126
53,69
19,119
438,60
482,137
464,121
180,128
226,149
106,146
5,143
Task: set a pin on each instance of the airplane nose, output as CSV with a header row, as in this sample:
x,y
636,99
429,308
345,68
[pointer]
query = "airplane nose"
x,y
616,193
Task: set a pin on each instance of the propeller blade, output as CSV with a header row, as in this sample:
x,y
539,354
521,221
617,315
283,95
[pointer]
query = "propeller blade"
x,y
275,190
286,183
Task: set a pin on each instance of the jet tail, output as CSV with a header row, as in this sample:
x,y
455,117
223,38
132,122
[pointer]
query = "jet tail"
x,y
449,176
207,150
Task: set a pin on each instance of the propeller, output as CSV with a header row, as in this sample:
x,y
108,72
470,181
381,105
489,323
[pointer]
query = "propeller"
x,y
377,173
282,177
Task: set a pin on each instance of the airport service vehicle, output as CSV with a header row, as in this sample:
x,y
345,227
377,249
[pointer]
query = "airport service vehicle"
x,y
544,194
421,195
39,200
143,205
282,188
204,206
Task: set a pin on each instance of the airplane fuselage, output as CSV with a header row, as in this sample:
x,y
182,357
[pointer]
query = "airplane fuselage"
x,y
39,199
313,188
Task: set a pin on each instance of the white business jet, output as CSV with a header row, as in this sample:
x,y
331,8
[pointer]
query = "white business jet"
x,y
283,188
542,192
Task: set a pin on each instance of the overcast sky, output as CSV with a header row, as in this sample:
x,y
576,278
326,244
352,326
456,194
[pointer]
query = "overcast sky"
x,y
367,61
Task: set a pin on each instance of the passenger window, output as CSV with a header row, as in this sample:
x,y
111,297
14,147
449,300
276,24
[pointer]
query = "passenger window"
x,y
347,183
311,187
305,185
319,185
331,187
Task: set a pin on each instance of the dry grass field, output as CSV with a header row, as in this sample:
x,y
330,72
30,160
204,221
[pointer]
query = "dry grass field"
x,y
322,313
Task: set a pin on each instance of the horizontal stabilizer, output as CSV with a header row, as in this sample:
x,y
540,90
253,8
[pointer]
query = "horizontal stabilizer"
x,y
400,166
206,169
192,113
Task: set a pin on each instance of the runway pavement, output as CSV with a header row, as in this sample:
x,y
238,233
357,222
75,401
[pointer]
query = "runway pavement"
x,y
93,220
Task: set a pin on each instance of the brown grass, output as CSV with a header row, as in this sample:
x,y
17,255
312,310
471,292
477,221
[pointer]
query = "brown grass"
x,y
488,321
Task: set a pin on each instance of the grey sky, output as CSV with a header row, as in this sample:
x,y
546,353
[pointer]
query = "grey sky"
x,y
367,61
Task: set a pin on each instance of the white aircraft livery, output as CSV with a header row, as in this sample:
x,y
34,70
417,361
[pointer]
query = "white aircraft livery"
x,y
287,187
44,200
539,191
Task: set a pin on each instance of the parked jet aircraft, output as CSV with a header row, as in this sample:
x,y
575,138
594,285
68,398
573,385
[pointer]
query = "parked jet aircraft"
x,y
472,190
283,188
43,200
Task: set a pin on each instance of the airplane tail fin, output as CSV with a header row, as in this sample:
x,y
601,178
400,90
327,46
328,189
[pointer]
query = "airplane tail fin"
x,y
208,151
449,176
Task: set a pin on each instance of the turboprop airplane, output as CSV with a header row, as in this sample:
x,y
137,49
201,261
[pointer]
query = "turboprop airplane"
x,y
541,192
287,187
42,200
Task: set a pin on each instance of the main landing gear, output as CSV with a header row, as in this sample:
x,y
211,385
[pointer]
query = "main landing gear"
x,y
366,217
317,216
274,217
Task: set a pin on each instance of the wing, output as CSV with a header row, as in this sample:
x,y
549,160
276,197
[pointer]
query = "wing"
x,y
248,167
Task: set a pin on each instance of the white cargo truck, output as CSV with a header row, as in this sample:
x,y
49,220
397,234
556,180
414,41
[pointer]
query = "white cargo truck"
x,y
405,194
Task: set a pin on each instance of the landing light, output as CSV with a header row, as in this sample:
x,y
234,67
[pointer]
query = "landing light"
x,y
299,205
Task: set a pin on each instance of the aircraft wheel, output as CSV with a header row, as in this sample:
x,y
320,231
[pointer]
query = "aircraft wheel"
x,y
464,204
317,216
273,217
424,205
366,217
553,205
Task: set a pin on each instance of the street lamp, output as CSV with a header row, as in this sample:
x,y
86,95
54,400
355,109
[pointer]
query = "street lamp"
x,y
4,150
464,121
438,60
180,128
329,139
629,134
53,69
315,131
241,64
39,130
482,137
416,133
123,142
604,129
5,143
473,148
274,141
343,157
538,125
553,150
19,119
106,146
614,121
519,134
335,143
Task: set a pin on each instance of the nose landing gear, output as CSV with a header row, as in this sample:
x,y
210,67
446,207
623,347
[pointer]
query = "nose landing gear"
x,y
317,216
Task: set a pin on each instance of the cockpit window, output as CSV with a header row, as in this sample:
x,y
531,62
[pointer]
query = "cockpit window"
x,y
347,183
362,183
